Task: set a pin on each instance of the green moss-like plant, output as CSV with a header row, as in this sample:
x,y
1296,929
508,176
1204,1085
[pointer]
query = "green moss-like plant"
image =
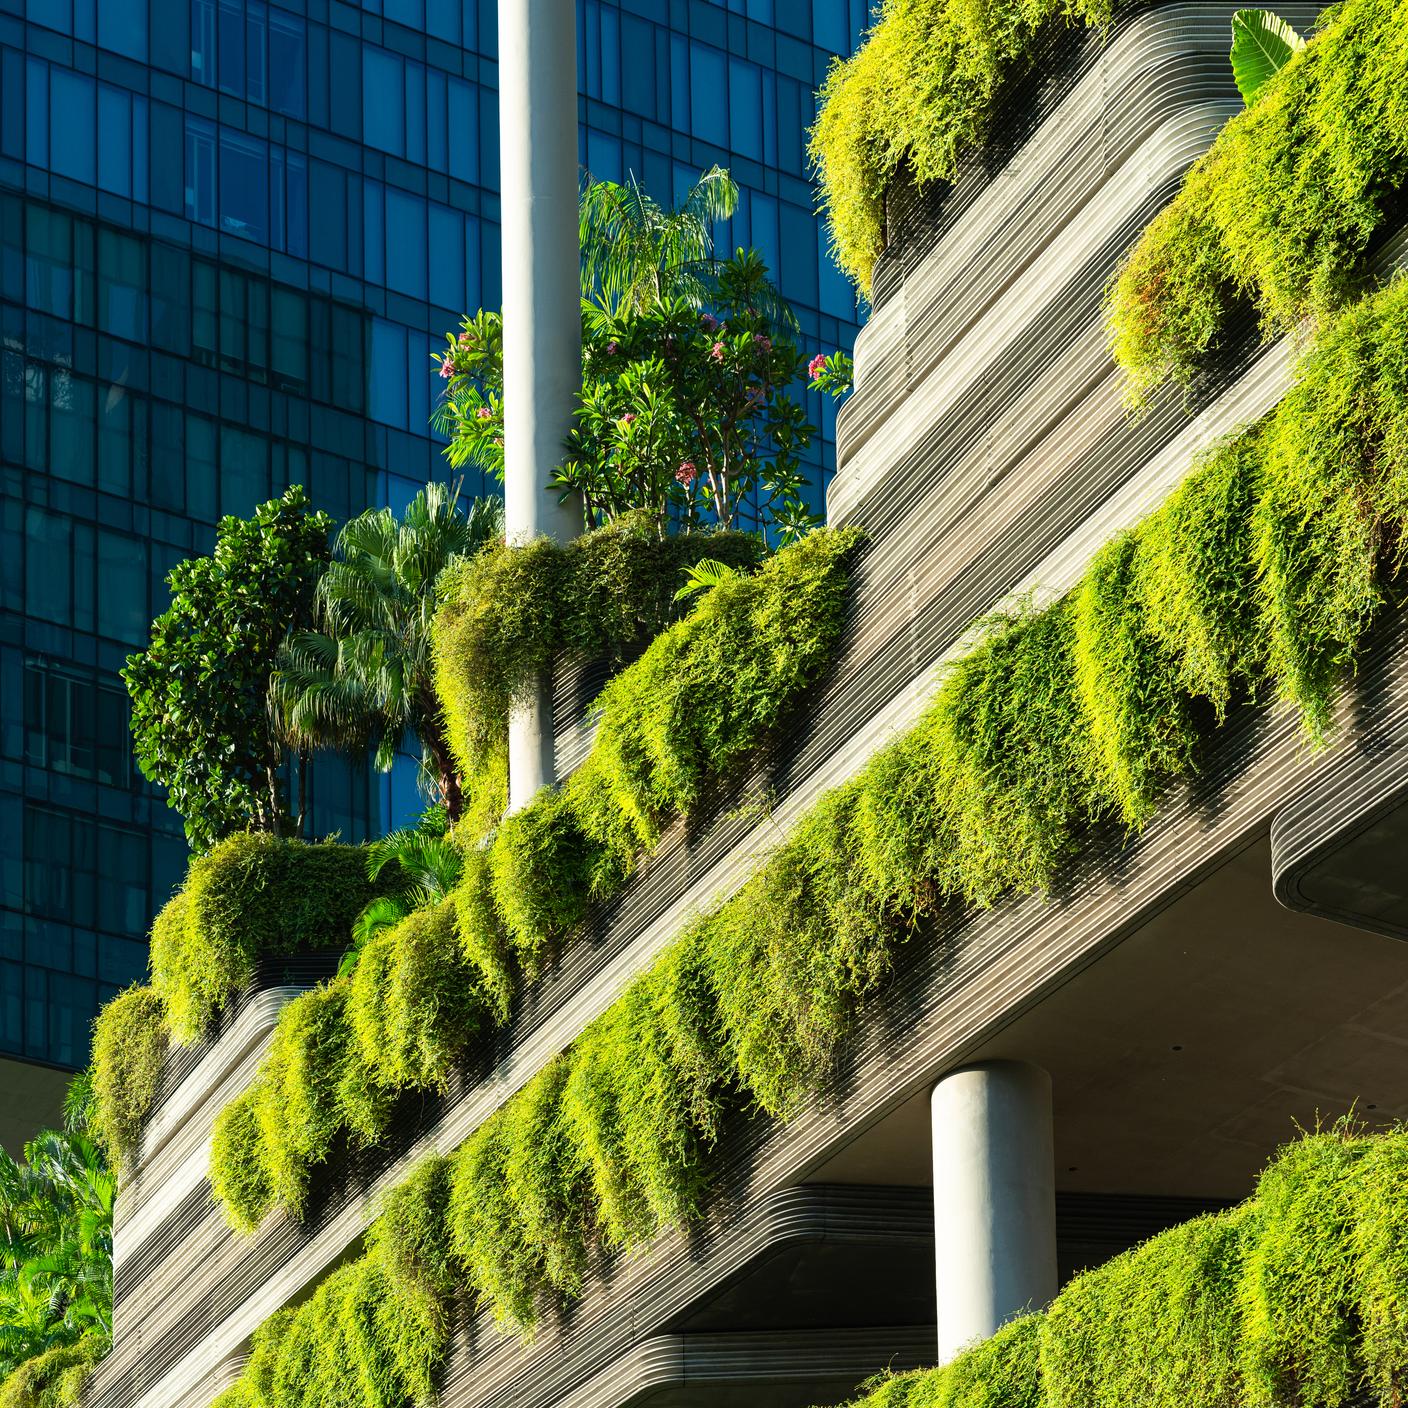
x,y
250,896
239,1176
1283,209
412,1235
55,1378
413,1001
509,610
129,1044
703,694
919,92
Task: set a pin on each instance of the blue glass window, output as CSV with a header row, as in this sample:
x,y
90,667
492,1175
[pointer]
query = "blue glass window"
x,y
708,94
200,171
72,125
288,64
383,101
405,249
122,27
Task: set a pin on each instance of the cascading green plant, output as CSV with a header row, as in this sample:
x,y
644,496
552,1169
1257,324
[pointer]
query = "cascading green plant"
x,y
681,717
919,93
1283,210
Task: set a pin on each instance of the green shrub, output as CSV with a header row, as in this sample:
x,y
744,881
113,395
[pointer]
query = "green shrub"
x,y
413,1000
1017,779
707,691
509,610
792,953
1157,1326
1001,1372
481,933
55,1378
252,895
1334,490
1142,730
412,1235
239,1177
1283,208
129,1044
518,1215
540,867
1198,577
919,92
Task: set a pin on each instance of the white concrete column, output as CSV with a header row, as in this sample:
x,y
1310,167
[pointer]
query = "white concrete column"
x,y
994,1198
542,308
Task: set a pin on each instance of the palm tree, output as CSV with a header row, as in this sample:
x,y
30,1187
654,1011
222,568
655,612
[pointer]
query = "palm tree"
x,y
636,254
364,678
55,1246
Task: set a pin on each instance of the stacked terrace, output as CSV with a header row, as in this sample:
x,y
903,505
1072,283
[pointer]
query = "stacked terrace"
x,y
642,1109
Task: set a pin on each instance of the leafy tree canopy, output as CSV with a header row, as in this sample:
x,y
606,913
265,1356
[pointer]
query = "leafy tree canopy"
x,y
201,726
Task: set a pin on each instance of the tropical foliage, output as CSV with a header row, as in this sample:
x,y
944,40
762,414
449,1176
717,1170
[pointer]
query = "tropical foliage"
x,y
364,678
637,256
1262,45
56,1207
200,720
693,417
414,868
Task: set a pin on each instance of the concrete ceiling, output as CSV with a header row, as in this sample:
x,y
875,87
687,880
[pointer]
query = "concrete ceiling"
x,y
1183,1057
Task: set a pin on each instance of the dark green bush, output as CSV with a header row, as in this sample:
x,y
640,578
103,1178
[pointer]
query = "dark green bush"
x,y
1283,208
129,1044
253,895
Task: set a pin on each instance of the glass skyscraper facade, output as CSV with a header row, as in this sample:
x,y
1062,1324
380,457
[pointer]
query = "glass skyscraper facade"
x,y
231,234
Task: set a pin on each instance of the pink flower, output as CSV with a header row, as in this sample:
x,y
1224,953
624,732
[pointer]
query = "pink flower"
x,y
763,344
817,365
627,418
447,367
685,473
499,441
717,351
464,339
709,321
612,348
484,413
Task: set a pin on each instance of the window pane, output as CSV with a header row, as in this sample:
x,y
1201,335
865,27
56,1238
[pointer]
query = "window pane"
x,y
122,587
383,101
122,27
244,186
200,171
72,125
288,84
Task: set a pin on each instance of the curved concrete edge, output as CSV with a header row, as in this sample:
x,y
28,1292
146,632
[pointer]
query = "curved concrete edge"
x,y
1358,795
765,1361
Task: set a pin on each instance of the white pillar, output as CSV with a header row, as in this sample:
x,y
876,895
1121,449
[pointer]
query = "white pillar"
x,y
994,1199
542,308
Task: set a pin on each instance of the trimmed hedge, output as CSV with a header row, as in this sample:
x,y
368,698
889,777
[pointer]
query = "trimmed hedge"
x,y
1282,210
701,697
507,611
1297,1297
129,1044
251,896
920,91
